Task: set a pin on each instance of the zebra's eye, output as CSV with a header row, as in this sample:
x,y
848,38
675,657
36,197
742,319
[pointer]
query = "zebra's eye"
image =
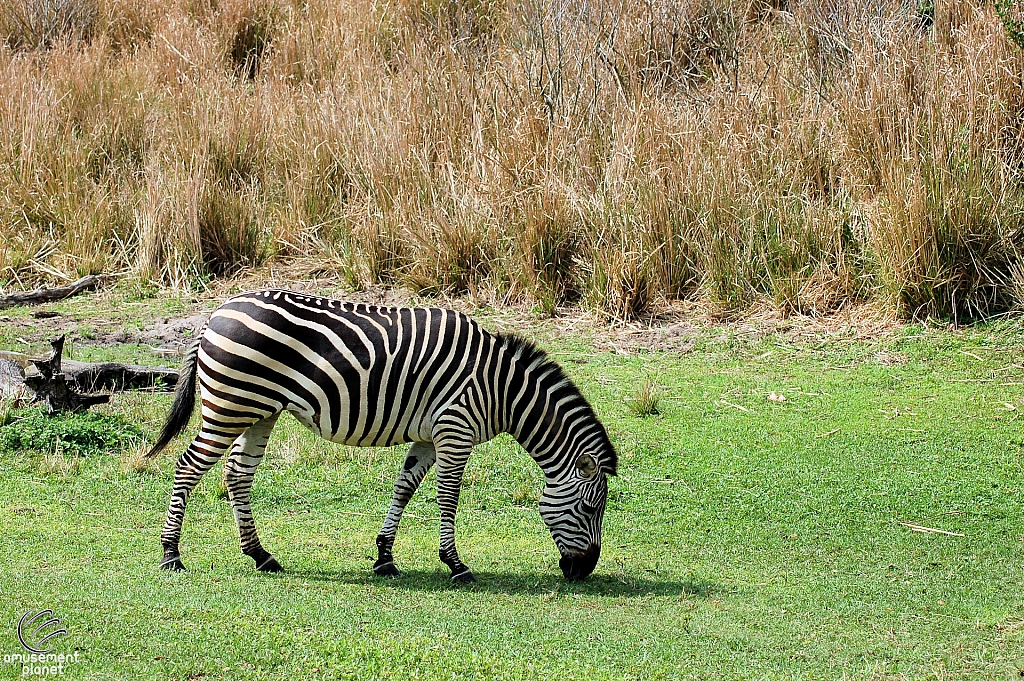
x,y
587,509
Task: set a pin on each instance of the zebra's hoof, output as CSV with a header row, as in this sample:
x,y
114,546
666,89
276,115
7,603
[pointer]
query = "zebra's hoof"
x,y
270,565
464,577
387,570
172,563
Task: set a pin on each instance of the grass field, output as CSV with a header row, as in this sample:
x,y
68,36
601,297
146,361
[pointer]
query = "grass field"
x,y
745,537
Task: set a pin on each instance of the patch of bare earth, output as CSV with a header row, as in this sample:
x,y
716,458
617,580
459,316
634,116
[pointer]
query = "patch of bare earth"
x,y
674,328
677,328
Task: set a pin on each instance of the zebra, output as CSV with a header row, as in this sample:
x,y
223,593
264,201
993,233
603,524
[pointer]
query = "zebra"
x,y
368,375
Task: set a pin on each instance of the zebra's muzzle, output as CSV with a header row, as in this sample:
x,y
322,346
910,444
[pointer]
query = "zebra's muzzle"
x,y
580,565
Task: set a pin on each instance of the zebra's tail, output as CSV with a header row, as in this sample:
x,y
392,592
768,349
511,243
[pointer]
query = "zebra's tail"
x,y
184,401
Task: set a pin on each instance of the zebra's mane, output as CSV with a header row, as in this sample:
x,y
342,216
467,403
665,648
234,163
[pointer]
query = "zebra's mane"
x,y
529,354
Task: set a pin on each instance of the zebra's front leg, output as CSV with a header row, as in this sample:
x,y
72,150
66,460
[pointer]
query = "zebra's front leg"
x,y
238,473
451,464
421,457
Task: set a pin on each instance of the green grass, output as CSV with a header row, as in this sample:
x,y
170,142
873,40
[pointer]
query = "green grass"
x,y
745,538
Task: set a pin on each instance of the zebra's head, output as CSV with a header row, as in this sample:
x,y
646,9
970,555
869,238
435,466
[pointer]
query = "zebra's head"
x,y
555,423
573,508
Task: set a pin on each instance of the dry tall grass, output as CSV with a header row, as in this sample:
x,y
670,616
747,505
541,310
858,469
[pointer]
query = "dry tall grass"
x,y
606,152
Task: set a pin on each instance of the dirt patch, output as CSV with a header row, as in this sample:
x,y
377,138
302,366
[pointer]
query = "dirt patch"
x,y
889,359
172,336
676,328
34,330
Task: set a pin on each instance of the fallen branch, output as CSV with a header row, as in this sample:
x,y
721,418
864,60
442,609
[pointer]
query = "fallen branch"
x,y
73,386
91,377
734,406
51,385
12,381
49,295
930,530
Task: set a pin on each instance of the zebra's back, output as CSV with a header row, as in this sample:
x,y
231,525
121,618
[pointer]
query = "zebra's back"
x,y
356,374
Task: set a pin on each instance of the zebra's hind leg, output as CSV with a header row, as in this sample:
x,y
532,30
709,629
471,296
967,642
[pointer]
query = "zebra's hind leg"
x,y
238,473
208,446
421,457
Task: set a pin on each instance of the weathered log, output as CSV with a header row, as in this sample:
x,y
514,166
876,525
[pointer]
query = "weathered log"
x,y
71,386
92,377
49,295
12,381
51,385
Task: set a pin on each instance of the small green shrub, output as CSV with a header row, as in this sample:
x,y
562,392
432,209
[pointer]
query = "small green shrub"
x,y
83,434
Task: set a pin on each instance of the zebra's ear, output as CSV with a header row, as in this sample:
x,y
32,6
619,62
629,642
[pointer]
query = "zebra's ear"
x,y
586,466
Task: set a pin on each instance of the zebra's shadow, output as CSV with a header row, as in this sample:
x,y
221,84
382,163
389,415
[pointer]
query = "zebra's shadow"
x,y
523,583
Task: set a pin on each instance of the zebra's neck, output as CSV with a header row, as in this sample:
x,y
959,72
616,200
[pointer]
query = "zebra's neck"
x,y
546,413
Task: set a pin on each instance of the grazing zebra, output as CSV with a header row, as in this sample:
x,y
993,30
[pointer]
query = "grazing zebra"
x,y
365,375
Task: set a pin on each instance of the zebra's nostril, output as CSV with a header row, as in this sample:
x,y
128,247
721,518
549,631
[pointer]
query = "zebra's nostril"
x,y
566,563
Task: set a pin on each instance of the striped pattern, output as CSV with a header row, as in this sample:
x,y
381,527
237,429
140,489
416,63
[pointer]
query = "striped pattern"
x,y
364,375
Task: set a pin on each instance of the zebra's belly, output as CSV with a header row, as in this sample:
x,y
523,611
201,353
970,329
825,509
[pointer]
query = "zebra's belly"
x,y
376,435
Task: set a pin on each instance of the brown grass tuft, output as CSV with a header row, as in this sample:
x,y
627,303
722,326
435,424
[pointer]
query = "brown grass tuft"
x,y
806,155
646,399
42,24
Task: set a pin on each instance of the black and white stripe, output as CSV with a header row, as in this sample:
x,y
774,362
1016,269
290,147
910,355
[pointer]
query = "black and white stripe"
x,y
365,375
